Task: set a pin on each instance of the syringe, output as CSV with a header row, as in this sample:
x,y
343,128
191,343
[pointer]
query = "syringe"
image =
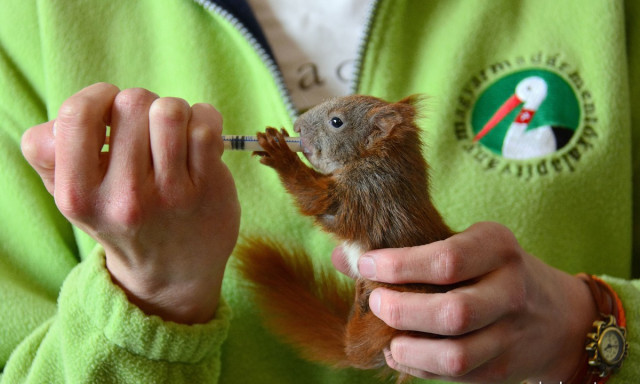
x,y
244,143
250,143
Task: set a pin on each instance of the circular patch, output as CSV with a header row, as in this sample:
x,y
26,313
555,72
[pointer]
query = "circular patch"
x,y
525,115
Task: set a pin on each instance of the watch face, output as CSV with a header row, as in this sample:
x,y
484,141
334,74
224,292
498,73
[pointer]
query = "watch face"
x,y
611,345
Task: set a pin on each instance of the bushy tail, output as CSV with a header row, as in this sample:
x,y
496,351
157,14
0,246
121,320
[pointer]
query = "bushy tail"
x,y
306,306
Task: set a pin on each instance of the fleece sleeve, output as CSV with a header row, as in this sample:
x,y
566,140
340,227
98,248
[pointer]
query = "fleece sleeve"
x,y
97,336
633,53
85,331
629,291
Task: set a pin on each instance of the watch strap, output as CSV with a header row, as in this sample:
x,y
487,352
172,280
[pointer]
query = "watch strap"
x,y
607,303
606,299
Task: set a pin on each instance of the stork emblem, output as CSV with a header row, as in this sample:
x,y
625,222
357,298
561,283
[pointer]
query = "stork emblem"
x,y
526,115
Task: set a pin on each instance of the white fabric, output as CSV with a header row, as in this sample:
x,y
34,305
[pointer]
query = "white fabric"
x,y
315,44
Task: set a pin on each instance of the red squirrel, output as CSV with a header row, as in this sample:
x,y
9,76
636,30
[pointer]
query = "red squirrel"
x,y
369,189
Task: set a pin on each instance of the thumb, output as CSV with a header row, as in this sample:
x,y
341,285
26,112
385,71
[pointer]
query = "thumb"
x,y
38,147
339,260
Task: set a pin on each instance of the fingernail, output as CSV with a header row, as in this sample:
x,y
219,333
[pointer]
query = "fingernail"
x,y
374,302
367,267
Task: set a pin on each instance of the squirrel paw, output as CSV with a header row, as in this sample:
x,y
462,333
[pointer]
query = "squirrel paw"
x,y
277,153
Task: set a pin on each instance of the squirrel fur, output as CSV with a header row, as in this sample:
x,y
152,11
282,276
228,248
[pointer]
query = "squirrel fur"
x,y
369,189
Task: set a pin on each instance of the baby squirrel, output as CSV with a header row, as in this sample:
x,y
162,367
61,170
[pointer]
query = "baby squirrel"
x,y
369,188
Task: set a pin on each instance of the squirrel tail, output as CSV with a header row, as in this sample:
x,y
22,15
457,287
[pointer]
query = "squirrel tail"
x,y
306,306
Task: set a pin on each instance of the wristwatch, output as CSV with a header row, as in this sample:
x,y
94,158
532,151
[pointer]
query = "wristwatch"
x,y
607,346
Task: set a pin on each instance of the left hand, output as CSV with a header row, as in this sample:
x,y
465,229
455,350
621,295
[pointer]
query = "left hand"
x,y
161,201
514,318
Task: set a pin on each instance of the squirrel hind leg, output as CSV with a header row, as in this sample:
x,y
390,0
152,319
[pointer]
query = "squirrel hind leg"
x,y
367,336
306,307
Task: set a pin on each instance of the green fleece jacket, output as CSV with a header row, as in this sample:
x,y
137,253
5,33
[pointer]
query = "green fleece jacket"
x,y
569,200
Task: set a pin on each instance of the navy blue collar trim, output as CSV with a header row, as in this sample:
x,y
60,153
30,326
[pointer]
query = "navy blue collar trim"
x,y
241,10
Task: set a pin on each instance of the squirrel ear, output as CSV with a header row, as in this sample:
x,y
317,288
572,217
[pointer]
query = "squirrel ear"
x,y
386,118
412,100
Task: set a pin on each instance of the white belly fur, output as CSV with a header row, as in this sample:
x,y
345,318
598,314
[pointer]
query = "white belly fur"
x,y
352,252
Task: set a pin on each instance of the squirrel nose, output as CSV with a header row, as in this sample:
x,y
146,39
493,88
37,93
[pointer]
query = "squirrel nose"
x,y
297,126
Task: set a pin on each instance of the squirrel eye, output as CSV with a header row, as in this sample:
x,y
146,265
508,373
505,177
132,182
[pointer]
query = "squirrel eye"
x,y
336,122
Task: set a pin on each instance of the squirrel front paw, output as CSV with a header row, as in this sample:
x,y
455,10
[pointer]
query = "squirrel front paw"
x,y
277,153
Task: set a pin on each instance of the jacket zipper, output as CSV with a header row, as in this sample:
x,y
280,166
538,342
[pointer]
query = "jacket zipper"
x,y
259,49
271,65
364,43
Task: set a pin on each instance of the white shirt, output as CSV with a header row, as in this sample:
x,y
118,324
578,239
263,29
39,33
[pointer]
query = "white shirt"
x,y
315,44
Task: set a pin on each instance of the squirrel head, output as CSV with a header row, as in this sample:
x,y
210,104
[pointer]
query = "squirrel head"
x,y
344,129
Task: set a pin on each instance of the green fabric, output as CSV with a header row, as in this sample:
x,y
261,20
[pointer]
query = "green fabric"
x,y
541,210
110,330
61,319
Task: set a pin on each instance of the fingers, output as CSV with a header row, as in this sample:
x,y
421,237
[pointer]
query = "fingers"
x,y
168,120
485,314
130,160
150,136
467,255
181,141
80,134
457,312
205,146
463,358
38,147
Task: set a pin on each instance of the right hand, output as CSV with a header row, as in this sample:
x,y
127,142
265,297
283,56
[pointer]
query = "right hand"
x,y
161,201
504,297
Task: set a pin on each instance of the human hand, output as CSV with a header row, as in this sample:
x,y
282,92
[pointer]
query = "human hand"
x,y
160,201
514,318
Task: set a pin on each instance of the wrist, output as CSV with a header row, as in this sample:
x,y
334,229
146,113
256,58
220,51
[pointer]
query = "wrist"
x,y
579,370
90,306
586,312
190,299
575,320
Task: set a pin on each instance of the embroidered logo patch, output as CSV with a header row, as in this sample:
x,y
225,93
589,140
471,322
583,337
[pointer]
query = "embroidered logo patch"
x,y
531,116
